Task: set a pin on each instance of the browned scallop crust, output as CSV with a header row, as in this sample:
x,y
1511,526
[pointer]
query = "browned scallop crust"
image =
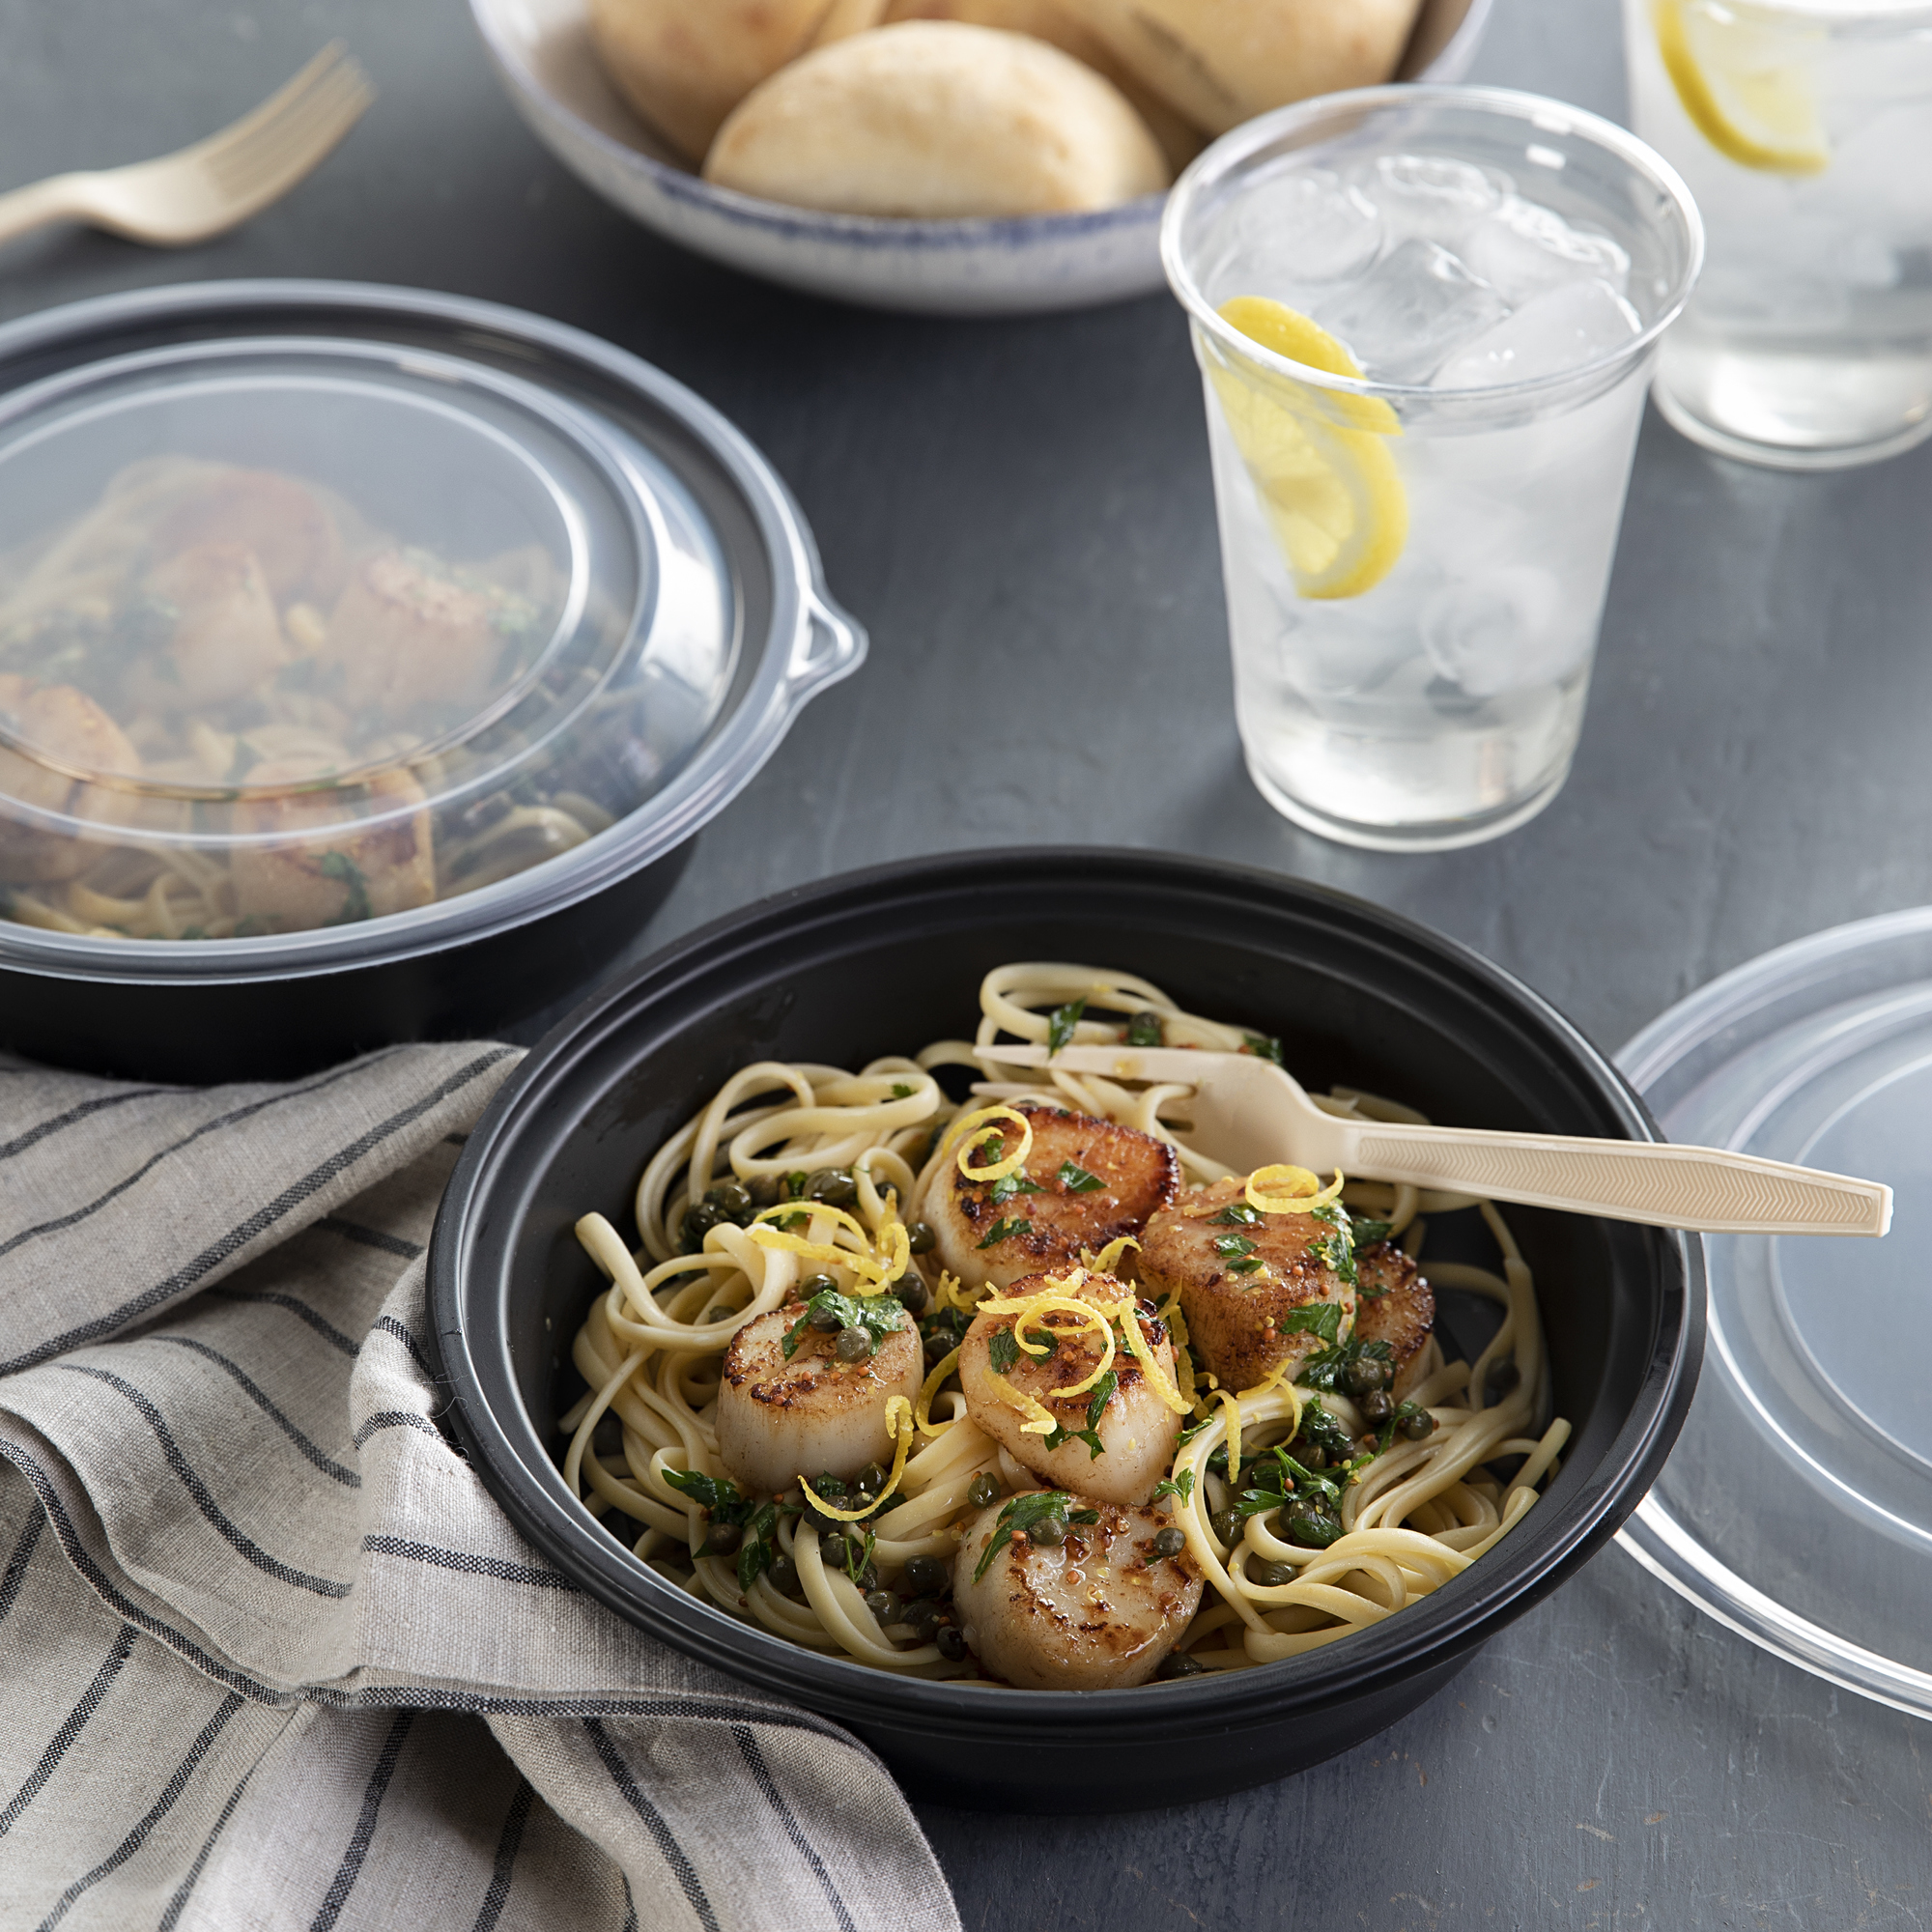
x,y
1137,1431
1395,1305
1233,1317
1140,1176
1099,1611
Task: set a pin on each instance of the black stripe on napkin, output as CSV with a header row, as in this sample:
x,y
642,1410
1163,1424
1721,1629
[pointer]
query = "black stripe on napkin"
x,y
16,1566
71,1726
193,1878
314,1452
33,1135
508,1844
160,1809
351,1867
370,1237
754,1755
237,1537
468,1562
655,1823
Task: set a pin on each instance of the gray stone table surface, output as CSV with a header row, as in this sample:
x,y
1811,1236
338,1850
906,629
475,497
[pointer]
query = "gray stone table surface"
x,y
1020,512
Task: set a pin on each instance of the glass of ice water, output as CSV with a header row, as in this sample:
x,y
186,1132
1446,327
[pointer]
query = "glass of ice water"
x,y
1806,133
1425,318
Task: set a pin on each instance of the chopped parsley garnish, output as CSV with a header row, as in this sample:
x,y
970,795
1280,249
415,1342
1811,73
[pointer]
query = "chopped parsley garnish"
x,y
1103,1392
1003,1351
1274,1480
1263,1047
1004,1230
1060,1029
1012,1184
1090,1437
723,1500
879,1315
900,1091
1337,1250
1238,1214
355,899
1368,1230
1320,1319
1182,1485
1022,1514
1076,1179
1323,1370
1145,1030
1238,1252
795,1185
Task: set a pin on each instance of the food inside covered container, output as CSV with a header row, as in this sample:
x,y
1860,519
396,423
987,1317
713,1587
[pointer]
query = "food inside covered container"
x,y
299,634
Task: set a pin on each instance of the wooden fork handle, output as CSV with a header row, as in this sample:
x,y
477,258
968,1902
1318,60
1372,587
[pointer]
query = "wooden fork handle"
x,y
59,198
1706,1189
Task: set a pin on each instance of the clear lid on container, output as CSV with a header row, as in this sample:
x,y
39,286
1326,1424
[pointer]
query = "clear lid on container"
x,y
300,632
1796,1504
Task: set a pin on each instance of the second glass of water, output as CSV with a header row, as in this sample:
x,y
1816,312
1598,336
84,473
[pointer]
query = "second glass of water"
x,y
1425,318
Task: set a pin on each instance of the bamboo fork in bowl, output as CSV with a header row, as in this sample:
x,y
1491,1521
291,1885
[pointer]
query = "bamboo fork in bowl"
x,y
1248,1113
216,183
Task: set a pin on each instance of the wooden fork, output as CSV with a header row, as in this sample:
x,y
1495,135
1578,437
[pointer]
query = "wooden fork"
x,y
218,182
1248,1113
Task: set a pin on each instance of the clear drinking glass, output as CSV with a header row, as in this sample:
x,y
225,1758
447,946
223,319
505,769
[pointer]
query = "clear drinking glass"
x,y
1419,495
1806,133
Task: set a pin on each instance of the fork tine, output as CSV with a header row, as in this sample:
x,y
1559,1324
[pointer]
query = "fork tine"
x,y
334,56
276,154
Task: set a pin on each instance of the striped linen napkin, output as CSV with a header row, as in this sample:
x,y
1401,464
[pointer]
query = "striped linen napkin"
x,y
269,1656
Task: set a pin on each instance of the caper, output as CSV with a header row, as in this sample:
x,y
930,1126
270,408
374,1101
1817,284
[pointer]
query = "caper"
x,y
983,1490
824,1525
1419,1427
814,1284
862,1499
926,1576
1270,1575
1376,1406
867,1578
1049,1531
921,1239
831,1550
833,1186
767,1190
721,1540
888,1606
854,1345
696,1225
1363,1374
1503,1376
1227,1525
1310,1454
826,1321
784,1575
925,1618
1168,1541
1177,1664
1312,1525
951,1643
731,1198
872,1477
938,1347
720,1310
911,1292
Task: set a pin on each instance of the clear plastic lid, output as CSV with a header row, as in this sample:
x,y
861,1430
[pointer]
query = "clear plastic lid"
x,y
297,632
1796,1505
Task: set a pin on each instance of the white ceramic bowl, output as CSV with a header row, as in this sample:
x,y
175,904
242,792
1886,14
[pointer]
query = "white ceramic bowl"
x,y
542,50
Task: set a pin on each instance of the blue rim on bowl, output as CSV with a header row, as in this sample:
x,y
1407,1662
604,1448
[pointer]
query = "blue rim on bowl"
x,y
542,53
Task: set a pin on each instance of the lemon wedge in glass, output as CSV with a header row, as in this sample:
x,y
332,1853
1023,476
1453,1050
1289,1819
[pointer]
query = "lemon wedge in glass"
x,y
1320,460
1744,86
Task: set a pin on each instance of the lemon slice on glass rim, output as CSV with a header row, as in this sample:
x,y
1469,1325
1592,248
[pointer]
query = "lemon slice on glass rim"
x,y
1320,459
1744,86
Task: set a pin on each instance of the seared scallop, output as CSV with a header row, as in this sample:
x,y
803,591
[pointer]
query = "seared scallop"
x,y
1237,1276
401,634
63,732
1046,1213
1095,1612
224,634
1134,1430
287,527
780,1419
1394,1305
309,864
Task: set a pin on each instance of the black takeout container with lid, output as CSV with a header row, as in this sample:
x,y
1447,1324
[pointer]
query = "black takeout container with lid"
x,y
888,960
368,659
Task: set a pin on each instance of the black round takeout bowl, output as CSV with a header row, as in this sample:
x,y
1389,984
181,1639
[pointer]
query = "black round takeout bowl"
x,y
886,960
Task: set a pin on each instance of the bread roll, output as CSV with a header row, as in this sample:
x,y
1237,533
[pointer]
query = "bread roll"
x,y
1049,20
937,118
1221,62
685,64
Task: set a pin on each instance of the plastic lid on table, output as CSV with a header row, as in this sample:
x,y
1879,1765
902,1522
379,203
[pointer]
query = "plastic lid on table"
x,y
1796,1505
297,632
